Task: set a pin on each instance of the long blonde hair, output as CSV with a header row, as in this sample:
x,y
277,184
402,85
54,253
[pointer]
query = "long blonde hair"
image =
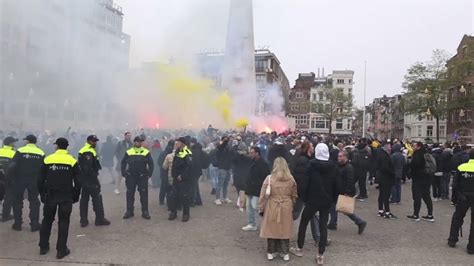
x,y
281,171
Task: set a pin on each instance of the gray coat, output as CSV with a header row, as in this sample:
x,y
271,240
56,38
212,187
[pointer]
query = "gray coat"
x,y
398,161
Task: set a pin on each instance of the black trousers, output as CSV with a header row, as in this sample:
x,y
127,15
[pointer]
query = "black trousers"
x,y
308,214
64,214
164,187
7,201
385,189
421,191
436,184
361,179
179,194
133,184
91,191
278,246
19,190
195,193
463,205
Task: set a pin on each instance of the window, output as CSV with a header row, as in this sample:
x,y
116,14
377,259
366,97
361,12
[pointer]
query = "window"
x,y
429,117
338,123
302,119
340,81
321,96
314,97
350,81
442,132
319,123
349,124
419,131
261,81
429,131
299,95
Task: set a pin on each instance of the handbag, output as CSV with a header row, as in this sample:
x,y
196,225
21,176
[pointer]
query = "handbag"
x,y
345,204
269,187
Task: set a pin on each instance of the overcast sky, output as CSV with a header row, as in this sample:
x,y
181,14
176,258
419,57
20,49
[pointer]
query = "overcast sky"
x,y
306,34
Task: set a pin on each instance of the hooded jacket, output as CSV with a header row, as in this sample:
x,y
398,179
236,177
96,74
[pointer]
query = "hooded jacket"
x,y
322,187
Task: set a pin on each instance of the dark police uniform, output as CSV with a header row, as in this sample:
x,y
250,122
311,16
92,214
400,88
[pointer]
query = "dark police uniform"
x,y
59,188
137,167
6,155
89,179
180,191
26,169
465,200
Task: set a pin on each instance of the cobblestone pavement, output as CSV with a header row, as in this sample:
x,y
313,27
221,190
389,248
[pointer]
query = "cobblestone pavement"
x,y
213,237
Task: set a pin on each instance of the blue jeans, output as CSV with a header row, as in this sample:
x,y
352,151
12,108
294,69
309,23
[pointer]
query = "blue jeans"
x,y
213,176
222,184
397,191
445,185
333,221
252,202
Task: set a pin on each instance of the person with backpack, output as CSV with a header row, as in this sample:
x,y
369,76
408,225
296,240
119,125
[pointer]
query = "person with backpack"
x,y
423,167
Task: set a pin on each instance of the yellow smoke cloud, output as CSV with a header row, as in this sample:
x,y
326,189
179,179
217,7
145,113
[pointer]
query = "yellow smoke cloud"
x,y
241,123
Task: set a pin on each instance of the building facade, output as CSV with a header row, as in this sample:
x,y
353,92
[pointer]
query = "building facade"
x,y
309,96
460,118
385,118
423,128
59,62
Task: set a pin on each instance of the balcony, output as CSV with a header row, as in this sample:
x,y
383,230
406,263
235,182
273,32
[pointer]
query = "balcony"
x,y
110,5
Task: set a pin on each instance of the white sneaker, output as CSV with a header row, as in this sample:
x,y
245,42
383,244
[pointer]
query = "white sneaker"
x,y
286,257
227,200
249,228
218,202
270,256
116,191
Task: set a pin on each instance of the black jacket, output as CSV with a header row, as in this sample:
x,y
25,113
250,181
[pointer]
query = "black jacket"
x,y
240,168
107,152
361,160
89,165
458,159
437,154
398,161
446,161
417,167
197,160
259,170
385,172
137,163
26,165
182,165
323,186
300,169
59,180
347,179
224,156
278,151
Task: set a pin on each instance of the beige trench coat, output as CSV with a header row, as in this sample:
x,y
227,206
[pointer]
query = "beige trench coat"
x,y
278,208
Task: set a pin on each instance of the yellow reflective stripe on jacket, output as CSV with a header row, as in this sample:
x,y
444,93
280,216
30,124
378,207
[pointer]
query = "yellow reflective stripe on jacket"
x,y
184,152
7,152
60,157
31,149
138,151
88,148
467,167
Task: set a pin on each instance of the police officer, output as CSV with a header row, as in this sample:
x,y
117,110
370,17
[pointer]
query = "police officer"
x,y
89,178
137,168
465,200
7,152
59,188
26,169
181,172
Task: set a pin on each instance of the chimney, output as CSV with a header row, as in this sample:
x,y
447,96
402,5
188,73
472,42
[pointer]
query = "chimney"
x,y
318,73
323,72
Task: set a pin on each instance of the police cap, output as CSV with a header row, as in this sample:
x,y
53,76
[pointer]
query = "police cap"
x,y
92,138
137,139
9,140
31,139
62,143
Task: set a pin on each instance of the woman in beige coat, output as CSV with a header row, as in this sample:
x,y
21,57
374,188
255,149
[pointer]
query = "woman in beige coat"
x,y
276,206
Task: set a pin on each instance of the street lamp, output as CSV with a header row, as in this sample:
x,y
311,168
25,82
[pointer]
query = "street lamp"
x,y
462,89
461,113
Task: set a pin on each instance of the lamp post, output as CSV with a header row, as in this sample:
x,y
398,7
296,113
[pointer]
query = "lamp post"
x,y
365,91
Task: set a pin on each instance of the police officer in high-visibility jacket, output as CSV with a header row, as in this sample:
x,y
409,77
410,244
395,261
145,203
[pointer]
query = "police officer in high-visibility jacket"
x,y
7,152
465,200
89,178
26,169
181,172
137,168
59,188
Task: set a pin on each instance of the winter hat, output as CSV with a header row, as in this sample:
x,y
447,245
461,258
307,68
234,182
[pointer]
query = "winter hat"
x,y
322,152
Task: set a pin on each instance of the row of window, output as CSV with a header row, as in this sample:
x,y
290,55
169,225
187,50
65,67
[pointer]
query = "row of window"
x,y
429,131
320,122
342,81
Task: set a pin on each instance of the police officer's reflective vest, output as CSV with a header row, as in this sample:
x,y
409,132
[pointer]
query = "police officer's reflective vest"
x,y
6,155
184,152
89,161
466,178
27,162
58,180
137,161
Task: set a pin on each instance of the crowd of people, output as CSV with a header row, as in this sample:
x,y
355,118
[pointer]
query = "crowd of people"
x,y
281,177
